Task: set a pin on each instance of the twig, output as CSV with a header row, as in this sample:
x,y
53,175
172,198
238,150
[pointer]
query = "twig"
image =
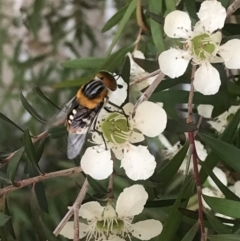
x,y
191,137
233,7
139,17
191,94
139,37
77,204
76,222
198,184
148,92
110,187
46,176
156,72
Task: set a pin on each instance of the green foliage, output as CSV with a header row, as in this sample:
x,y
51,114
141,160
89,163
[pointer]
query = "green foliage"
x,y
59,45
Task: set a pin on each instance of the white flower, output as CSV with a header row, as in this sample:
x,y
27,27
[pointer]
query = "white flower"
x,y
236,188
137,72
212,193
171,150
212,190
202,45
220,175
109,223
205,110
120,132
220,122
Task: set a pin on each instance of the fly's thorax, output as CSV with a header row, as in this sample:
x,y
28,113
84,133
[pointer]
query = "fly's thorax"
x,y
92,94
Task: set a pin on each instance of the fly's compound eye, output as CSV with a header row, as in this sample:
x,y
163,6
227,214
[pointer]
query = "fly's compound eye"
x,y
108,79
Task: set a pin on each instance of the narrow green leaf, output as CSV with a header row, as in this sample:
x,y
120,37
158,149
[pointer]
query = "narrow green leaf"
x,y
147,65
31,110
40,93
115,19
121,25
217,225
191,8
161,203
225,190
174,220
227,136
73,83
30,151
233,88
3,219
4,179
191,233
35,21
170,169
5,118
57,132
39,148
225,3
90,63
125,74
13,164
156,29
226,152
180,126
156,17
224,206
41,196
9,225
116,59
224,237
36,214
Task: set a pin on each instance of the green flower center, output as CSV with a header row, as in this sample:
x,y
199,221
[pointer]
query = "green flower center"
x,y
203,46
111,226
115,128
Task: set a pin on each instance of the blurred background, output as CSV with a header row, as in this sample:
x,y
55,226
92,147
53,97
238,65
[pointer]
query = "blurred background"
x,y
36,36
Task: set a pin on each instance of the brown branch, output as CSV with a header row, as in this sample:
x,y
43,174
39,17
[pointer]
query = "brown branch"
x,y
190,98
110,187
77,204
148,92
198,184
145,77
191,137
46,176
233,7
139,17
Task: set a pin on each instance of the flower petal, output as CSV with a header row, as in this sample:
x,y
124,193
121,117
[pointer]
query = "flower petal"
x,y
174,62
97,163
177,25
201,151
68,230
120,94
131,201
237,188
91,211
150,119
220,175
205,110
136,137
147,229
212,15
231,54
138,163
207,79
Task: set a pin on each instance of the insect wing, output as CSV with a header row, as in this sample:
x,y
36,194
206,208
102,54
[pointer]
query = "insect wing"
x,y
61,116
79,128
